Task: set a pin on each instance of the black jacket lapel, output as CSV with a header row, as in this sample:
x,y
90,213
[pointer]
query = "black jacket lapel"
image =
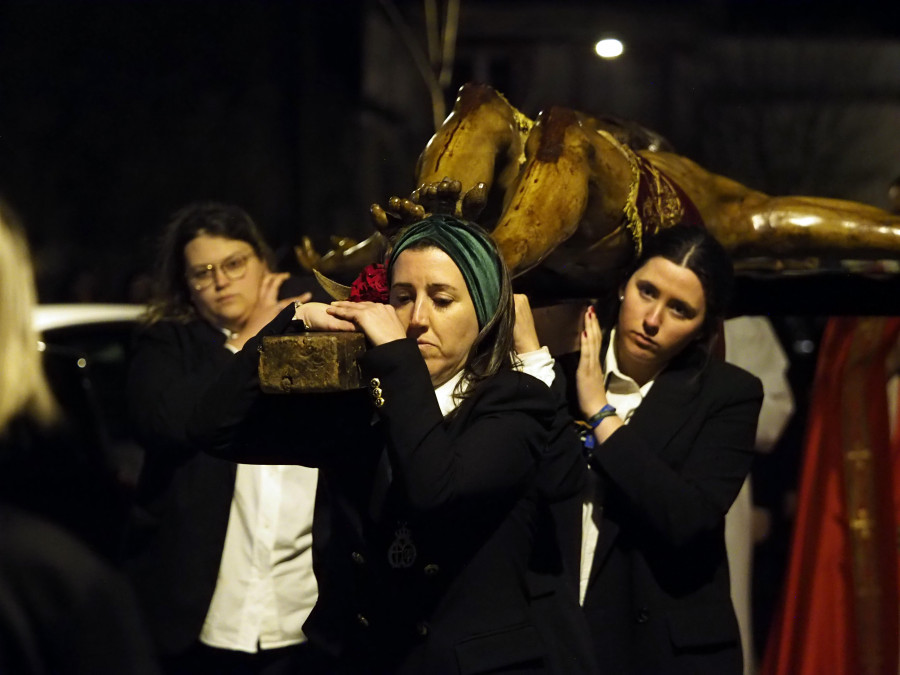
x,y
665,410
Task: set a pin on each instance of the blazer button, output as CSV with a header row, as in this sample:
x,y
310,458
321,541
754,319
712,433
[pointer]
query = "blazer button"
x,y
643,615
431,570
362,621
358,558
421,629
376,392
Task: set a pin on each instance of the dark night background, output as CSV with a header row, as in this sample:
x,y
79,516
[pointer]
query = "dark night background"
x,y
114,114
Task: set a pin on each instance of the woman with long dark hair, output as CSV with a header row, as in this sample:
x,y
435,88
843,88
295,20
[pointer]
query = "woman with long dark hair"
x,y
220,553
670,437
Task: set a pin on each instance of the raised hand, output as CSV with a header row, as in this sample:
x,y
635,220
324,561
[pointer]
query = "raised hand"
x,y
589,375
377,320
525,335
267,307
316,317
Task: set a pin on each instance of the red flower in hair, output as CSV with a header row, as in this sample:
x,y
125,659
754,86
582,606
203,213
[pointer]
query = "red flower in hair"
x,y
371,285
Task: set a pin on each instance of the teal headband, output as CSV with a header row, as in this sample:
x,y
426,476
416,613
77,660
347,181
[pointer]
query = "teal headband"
x,y
469,248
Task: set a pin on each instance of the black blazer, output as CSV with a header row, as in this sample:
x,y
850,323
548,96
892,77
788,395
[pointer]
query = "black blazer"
x,y
184,496
658,599
425,572
178,527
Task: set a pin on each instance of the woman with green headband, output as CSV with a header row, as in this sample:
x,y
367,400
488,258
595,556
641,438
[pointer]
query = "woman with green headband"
x,y
434,480
449,290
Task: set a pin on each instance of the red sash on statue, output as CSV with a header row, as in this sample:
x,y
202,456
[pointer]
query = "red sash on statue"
x,y
655,201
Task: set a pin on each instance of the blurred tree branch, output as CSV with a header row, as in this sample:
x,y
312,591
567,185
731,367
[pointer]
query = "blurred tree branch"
x,y
435,62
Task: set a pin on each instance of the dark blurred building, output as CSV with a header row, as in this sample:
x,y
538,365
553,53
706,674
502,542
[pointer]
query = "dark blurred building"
x,y
114,113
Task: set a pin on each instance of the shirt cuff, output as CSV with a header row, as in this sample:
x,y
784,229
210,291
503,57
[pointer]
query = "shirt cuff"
x,y
538,364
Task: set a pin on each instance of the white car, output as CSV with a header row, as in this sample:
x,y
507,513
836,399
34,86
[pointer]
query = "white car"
x,y
86,348
62,317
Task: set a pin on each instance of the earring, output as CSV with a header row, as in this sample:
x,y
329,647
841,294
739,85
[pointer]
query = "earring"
x,y
622,298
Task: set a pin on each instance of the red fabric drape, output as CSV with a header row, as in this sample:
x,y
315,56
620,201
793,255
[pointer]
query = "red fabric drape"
x,y
839,611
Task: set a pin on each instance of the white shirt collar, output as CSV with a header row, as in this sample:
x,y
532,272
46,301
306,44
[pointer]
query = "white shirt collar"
x,y
229,334
616,380
538,363
444,393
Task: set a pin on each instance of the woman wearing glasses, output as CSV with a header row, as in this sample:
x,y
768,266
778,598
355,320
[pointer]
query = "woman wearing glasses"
x,y
220,554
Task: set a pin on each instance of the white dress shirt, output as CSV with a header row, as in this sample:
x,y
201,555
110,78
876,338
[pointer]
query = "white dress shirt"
x,y
538,364
445,398
266,587
624,394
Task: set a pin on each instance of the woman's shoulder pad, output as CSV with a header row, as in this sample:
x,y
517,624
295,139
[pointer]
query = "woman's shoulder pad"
x,y
736,377
167,330
514,389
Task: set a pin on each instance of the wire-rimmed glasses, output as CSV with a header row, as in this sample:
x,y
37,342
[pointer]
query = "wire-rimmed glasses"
x,y
233,267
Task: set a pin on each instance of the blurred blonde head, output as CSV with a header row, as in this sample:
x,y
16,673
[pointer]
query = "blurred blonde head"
x,y
23,386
